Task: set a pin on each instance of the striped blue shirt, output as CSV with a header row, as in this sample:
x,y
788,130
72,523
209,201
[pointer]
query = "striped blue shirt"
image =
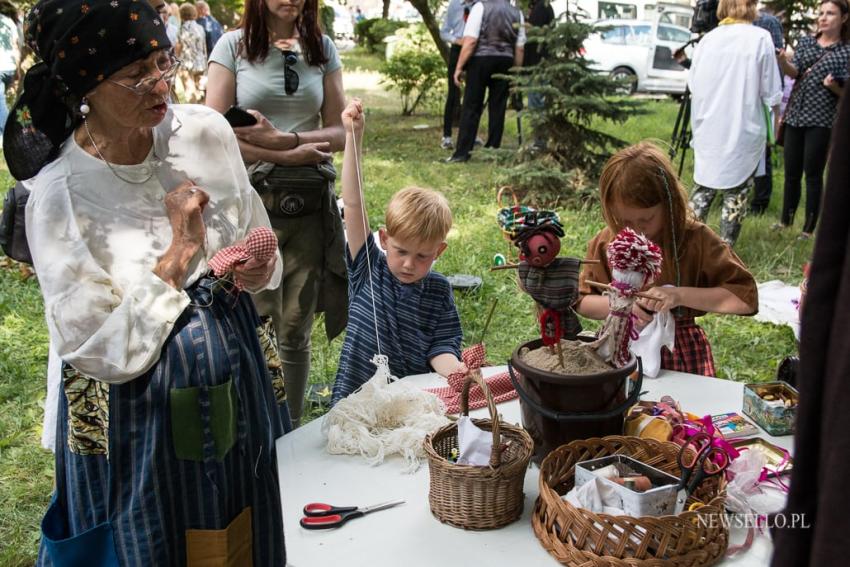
x,y
416,322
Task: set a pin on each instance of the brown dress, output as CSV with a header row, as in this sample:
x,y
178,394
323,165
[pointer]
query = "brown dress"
x,y
704,261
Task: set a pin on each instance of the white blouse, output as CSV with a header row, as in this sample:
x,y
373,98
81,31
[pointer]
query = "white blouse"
x,y
95,240
733,77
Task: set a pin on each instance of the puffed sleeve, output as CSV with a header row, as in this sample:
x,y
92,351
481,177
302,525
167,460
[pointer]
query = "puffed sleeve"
x,y
102,330
721,267
252,212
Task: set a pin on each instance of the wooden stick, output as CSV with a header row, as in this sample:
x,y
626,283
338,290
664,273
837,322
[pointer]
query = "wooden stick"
x,y
560,353
487,322
610,288
515,266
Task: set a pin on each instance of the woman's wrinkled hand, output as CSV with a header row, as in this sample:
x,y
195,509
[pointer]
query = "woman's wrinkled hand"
x,y
254,274
829,80
642,317
184,206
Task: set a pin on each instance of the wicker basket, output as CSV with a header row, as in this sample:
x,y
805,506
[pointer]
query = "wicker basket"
x,y
576,536
478,498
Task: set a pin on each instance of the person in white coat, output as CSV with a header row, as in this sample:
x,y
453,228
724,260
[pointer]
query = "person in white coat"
x,y
734,82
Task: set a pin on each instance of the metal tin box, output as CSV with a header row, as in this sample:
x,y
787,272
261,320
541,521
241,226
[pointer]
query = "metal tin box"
x,y
657,501
773,416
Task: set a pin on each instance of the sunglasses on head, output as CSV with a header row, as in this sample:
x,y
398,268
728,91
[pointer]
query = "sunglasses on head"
x,y
290,77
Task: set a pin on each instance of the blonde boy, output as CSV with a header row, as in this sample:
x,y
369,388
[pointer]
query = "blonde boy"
x,y
417,322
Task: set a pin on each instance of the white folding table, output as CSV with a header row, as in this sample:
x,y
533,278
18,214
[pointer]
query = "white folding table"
x,y
408,535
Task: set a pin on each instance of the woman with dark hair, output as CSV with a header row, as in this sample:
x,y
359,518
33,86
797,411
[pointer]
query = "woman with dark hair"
x,y
167,418
820,70
281,68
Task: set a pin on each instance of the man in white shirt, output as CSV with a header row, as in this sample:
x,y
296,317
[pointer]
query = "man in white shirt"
x,y
734,82
493,42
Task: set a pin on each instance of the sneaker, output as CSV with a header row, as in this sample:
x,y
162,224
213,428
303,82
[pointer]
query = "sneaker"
x,y
777,226
478,142
805,236
447,144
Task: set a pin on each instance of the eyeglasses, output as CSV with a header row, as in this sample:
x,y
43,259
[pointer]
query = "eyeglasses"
x,y
167,66
290,77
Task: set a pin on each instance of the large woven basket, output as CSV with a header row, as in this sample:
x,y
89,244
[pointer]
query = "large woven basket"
x,y
478,498
578,537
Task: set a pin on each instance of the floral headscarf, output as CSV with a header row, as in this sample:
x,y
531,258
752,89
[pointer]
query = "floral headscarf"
x,y
79,43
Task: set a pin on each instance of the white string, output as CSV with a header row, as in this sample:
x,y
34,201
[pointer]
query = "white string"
x,y
365,235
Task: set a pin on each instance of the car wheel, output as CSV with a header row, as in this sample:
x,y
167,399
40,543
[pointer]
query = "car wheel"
x,y
624,74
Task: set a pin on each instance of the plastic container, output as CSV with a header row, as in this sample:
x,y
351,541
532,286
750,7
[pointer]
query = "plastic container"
x,y
557,408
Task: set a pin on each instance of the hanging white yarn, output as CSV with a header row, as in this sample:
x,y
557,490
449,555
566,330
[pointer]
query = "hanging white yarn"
x,y
378,420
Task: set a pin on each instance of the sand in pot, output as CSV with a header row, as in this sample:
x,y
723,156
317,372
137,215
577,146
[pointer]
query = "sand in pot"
x,y
579,359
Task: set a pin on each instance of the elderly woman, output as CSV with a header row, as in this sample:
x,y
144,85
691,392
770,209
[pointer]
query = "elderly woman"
x,y
733,77
167,415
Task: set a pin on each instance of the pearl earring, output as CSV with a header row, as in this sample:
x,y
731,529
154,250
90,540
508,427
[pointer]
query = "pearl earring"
x,y
84,107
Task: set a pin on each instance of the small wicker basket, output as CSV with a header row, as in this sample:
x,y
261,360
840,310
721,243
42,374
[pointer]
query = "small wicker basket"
x,y
575,536
478,498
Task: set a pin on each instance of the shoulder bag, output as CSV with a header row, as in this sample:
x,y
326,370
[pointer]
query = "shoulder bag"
x,y
780,130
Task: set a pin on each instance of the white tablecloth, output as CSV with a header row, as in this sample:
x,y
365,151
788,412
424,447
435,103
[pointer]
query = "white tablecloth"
x,y
408,535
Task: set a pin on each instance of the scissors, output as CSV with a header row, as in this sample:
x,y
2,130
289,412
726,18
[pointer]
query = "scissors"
x,y
699,459
320,516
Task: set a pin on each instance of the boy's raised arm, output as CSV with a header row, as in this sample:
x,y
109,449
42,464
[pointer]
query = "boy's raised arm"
x,y
356,219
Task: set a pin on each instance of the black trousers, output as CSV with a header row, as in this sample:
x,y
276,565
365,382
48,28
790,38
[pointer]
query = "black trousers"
x,y
479,79
763,185
452,108
806,151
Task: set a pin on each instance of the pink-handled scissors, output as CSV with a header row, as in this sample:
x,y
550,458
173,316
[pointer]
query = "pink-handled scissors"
x,y
320,516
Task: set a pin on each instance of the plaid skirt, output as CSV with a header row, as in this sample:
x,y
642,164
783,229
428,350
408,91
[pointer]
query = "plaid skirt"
x,y
691,351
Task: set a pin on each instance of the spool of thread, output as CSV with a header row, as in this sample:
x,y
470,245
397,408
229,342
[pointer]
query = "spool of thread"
x,y
499,260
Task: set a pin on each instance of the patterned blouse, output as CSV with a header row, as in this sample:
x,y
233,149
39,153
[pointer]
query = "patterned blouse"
x,y
193,53
812,104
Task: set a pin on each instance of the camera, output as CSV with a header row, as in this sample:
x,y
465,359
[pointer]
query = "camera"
x,y
705,16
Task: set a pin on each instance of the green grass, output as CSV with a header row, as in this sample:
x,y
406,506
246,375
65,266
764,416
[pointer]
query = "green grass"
x,y
395,155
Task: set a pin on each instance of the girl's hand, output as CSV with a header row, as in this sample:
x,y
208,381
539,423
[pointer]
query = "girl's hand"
x,y
663,299
781,55
643,317
829,80
262,134
254,275
353,119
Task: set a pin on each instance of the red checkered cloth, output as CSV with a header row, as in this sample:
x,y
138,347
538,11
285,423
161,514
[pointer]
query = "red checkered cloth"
x,y
691,351
261,243
499,384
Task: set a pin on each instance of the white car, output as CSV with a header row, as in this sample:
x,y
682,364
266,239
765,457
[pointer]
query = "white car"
x,y
641,52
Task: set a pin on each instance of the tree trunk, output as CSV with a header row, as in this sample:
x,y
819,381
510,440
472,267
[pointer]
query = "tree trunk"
x,y
385,13
433,27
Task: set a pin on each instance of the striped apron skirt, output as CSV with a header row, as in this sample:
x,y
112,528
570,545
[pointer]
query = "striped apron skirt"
x,y
691,350
175,467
